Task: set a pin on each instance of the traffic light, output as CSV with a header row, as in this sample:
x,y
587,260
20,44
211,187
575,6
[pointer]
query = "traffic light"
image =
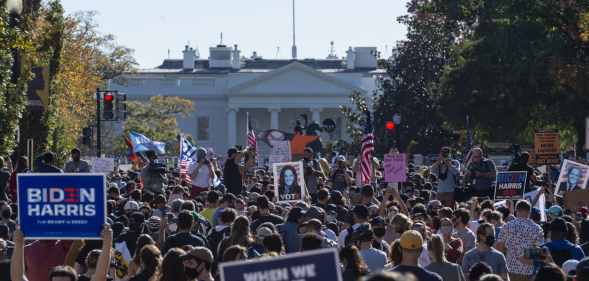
x,y
108,106
121,107
87,136
390,127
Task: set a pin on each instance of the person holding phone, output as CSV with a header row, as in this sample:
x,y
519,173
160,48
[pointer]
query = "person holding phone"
x,y
448,175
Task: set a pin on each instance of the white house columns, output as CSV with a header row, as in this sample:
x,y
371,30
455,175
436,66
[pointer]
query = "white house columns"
x,y
274,118
232,126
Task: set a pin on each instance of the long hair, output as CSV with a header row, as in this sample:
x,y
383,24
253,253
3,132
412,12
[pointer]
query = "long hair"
x,y
171,264
436,248
143,240
234,253
240,232
354,261
151,261
282,184
396,254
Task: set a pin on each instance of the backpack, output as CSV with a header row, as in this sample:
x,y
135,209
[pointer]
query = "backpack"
x,y
215,237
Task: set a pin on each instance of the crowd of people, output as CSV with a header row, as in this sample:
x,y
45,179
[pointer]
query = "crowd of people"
x,y
442,224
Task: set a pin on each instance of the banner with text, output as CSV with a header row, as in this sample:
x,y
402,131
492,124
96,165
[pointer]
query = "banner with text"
x,y
395,168
547,148
319,265
61,206
510,185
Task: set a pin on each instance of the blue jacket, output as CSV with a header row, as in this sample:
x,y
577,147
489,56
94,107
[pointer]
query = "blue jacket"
x,y
576,252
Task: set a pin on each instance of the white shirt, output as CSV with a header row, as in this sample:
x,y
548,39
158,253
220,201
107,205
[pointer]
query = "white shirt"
x,y
203,178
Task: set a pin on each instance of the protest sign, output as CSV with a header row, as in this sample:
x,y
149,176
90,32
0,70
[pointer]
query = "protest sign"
x,y
61,206
103,165
540,204
395,168
546,148
289,181
573,176
319,265
573,200
510,185
280,153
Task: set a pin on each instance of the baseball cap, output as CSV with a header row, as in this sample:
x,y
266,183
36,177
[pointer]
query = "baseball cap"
x,y
360,211
315,213
377,221
411,240
131,206
555,211
199,253
570,267
263,232
434,204
154,223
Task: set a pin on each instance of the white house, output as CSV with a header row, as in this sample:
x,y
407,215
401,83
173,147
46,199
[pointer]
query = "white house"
x,y
275,92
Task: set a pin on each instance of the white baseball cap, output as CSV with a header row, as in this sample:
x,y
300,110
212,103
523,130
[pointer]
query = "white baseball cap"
x,y
570,267
131,206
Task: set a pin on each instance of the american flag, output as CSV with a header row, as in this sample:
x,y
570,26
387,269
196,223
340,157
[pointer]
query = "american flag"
x,y
251,135
187,158
367,151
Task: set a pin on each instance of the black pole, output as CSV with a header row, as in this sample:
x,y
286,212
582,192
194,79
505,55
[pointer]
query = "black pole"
x,y
98,135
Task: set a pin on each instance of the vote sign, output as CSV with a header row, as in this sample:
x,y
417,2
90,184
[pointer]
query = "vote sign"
x,y
319,265
510,185
61,206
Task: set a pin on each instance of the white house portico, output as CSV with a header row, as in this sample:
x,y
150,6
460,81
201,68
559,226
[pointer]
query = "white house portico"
x,y
274,93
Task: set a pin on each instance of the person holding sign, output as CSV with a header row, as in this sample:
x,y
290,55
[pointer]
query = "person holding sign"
x,y
17,263
448,174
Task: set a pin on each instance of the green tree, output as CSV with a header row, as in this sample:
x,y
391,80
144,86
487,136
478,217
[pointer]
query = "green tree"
x,y
156,119
355,116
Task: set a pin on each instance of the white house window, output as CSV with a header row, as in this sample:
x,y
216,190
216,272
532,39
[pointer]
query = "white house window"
x,y
203,125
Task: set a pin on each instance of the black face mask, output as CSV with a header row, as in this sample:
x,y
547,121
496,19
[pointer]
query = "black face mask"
x,y
191,273
6,214
379,232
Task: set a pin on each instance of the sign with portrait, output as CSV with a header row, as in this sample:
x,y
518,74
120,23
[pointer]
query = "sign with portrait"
x,y
289,181
573,176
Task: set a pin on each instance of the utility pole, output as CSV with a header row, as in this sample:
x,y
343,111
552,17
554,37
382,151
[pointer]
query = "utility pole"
x,y
98,134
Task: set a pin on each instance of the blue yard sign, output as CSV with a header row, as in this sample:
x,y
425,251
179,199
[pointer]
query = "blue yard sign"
x,y
510,185
320,265
61,206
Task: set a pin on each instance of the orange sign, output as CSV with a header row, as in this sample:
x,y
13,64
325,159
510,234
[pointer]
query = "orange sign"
x,y
547,148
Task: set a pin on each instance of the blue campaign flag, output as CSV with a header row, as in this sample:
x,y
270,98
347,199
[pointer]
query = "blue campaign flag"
x,y
319,265
510,185
142,143
61,206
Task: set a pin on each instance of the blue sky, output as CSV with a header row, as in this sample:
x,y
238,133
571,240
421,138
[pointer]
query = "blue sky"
x,y
152,27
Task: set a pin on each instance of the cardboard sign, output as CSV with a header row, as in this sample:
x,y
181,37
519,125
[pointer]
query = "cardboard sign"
x,y
61,206
103,165
510,185
395,168
540,204
319,265
280,153
289,181
575,199
547,148
573,176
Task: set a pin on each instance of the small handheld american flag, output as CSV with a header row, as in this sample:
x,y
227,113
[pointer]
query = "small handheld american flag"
x,y
186,159
251,135
367,151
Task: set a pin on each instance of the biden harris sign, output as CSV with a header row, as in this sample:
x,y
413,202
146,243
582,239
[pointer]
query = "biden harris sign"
x,y
61,206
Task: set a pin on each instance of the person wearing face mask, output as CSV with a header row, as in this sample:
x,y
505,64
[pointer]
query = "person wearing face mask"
x,y
7,218
197,264
452,244
484,252
378,227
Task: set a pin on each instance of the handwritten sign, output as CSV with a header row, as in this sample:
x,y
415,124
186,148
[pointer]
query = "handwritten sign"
x,y
395,168
280,153
547,147
103,165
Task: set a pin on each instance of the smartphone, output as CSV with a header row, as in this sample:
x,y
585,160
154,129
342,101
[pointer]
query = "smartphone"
x,y
534,253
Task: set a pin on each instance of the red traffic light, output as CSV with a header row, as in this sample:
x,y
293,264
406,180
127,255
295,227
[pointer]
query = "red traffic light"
x,y
108,97
390,125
